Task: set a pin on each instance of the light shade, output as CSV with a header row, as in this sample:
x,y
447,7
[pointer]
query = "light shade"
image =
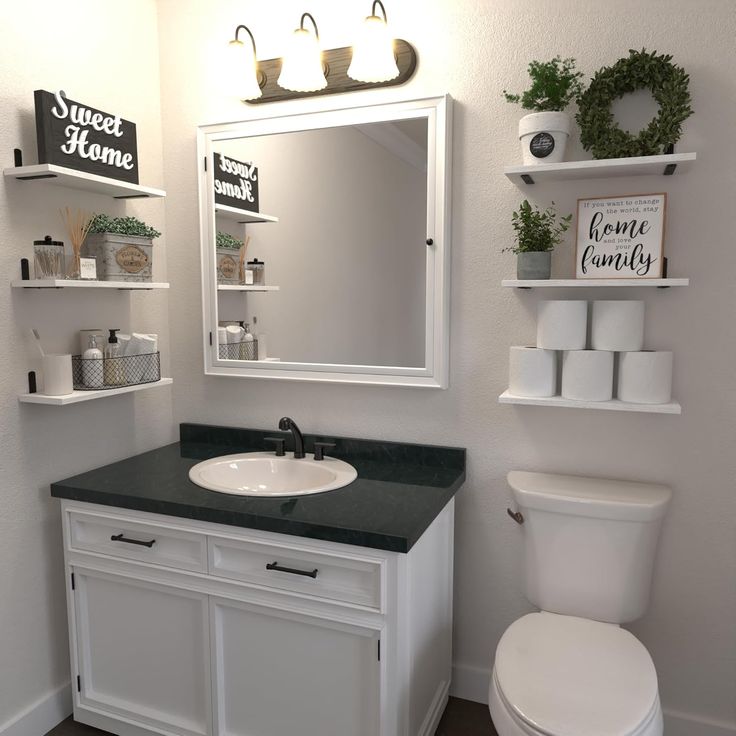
x,y
241,72
373,53
301,67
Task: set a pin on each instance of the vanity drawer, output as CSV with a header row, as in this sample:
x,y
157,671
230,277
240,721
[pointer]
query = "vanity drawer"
x,y
344,579
133,540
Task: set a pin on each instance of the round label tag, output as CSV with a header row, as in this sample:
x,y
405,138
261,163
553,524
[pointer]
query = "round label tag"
x,y
542,145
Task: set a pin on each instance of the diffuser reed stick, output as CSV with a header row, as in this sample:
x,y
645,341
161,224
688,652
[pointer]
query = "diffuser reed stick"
x,y
77,224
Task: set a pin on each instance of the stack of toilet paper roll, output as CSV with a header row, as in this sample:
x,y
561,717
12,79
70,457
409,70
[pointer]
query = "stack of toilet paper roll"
x,y
644,376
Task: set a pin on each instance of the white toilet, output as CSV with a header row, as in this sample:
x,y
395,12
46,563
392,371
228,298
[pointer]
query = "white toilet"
x,y
570,670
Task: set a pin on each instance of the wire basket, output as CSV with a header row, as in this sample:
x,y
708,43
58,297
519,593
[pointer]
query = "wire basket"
x,y
238,350
95,374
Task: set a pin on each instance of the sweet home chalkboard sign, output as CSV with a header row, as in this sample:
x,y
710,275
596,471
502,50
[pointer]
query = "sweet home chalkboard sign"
x,y
236,183
82,138
620,237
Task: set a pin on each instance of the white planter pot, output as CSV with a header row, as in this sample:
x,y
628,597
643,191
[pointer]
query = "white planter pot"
x,y
543,137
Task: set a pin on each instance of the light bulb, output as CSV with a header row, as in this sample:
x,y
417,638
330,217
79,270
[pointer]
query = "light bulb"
x,y
373,53
241,71
301,67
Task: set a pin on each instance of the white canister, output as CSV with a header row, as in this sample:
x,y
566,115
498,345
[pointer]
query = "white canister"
x,y
543,137
617,325
645,377
57,374
562,324
587,375
532,371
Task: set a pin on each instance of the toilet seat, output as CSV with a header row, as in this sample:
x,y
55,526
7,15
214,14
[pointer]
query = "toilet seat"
x,y
567,676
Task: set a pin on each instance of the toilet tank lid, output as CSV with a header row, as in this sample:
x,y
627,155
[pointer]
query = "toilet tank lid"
x,y
597,497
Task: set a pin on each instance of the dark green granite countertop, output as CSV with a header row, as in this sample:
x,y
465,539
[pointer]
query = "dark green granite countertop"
x,y
400,489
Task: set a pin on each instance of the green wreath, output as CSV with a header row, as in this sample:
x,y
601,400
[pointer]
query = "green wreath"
x,y
668,84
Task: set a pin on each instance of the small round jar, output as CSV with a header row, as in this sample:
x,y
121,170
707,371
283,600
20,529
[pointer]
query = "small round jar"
x,y
48,258
258,269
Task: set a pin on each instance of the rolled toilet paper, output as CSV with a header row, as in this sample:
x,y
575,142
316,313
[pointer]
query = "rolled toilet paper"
x,y
532,371
587,375
562,324
617,325
645,377
57,374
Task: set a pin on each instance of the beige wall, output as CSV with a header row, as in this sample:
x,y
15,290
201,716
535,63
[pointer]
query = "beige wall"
x,y
473,49
86,48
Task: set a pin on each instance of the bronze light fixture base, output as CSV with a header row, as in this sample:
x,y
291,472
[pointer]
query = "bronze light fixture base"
x,y
336,63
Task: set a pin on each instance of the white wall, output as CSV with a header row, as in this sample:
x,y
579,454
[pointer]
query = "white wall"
x,y
104,54
473,49
351,231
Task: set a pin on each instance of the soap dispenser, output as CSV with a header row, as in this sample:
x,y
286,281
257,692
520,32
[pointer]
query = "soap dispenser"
x,y
247,347
114,374
92,365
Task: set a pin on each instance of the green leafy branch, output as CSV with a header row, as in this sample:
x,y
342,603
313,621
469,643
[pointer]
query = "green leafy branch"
x,y
537,231
555,84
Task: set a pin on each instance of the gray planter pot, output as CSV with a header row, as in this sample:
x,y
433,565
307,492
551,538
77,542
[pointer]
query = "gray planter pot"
x,y
534,265
120,257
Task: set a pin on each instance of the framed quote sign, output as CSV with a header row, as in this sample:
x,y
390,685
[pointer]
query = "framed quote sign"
x,y
236,183
82,138
620,237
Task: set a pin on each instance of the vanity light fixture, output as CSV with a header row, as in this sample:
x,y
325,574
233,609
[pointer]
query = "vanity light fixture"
x,y
373,53
301,68
242,67
377,60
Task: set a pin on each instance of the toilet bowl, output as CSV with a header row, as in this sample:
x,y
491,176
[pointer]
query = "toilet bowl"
x,y
560,675
571,670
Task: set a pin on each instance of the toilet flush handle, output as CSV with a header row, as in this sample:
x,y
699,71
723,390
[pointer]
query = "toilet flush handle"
x,y
516,516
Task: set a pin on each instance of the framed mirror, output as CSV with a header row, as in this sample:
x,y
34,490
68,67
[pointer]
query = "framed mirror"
x,y
325,244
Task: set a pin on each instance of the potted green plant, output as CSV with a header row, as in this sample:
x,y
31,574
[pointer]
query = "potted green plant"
x,y
544,133
122,246
227,249
537,232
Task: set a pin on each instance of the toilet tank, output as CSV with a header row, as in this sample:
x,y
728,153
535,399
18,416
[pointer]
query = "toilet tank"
x,y
589,543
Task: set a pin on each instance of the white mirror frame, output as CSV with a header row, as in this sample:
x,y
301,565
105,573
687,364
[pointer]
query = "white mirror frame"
x,y
434,374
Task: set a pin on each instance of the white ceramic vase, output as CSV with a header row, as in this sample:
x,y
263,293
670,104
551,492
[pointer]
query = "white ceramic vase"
x,y
543,137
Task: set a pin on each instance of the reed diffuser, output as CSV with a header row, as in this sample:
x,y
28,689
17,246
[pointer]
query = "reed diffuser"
x,y
77,224
243,250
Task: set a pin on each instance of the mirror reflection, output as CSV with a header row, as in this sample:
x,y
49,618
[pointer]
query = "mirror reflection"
x,y
321,252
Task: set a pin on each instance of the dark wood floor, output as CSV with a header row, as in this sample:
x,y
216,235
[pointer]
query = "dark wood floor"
x,y
461,718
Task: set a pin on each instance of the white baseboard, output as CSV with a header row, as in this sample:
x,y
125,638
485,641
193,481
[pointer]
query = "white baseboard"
x,y
436,709
471,683
685,724
42,716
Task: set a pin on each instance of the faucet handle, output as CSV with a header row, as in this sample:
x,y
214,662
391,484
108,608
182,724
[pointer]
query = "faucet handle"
x,y
280,443
319,449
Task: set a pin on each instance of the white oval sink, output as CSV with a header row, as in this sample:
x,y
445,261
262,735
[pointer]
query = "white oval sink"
x,y
265,474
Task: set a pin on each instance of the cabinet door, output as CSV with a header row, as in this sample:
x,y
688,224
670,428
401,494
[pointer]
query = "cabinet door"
x,y
143,652
282,673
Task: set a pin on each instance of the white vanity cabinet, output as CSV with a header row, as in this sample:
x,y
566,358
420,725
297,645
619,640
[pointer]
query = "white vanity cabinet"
x,y
187,627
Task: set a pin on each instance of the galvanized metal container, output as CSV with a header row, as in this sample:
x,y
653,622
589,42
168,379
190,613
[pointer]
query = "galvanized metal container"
x,y
120,257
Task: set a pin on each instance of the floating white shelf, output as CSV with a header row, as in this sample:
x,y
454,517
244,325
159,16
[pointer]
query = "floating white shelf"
x,y
564,283
249,287
62,176
614,405
77,396
64,284
600,169
243,216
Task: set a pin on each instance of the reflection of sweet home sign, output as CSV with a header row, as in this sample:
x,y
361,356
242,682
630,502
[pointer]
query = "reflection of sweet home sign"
x,y
236,183
79,137
620,237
